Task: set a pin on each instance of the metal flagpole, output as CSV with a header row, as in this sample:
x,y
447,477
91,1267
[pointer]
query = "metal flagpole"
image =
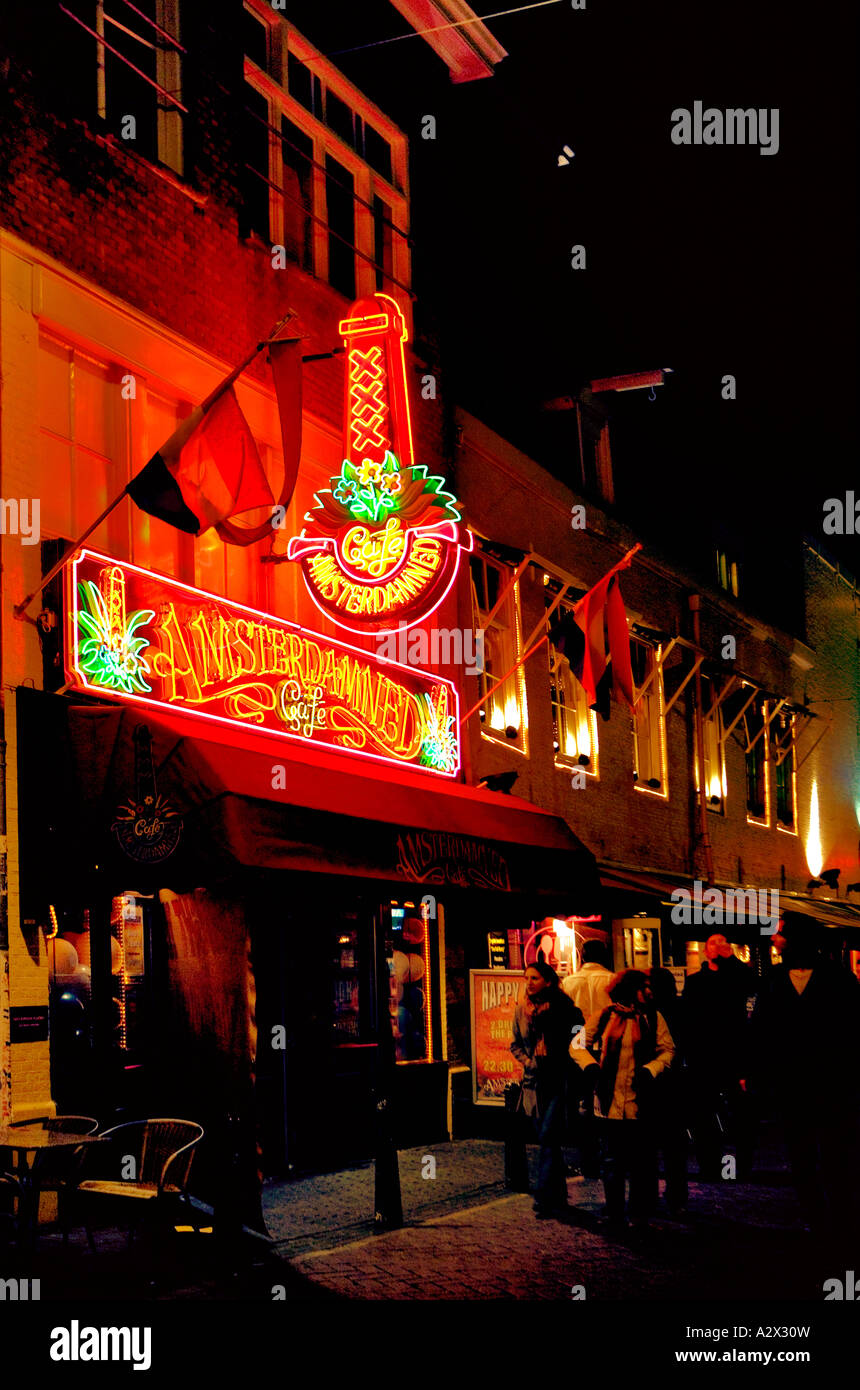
x,y
20,608
531,650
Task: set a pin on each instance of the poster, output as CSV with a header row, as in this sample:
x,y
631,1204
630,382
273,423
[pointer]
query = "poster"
x,y
493,996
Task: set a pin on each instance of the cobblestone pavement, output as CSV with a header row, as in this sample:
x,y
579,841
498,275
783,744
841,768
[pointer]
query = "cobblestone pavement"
x,y
332,1209
744,1244
466,1238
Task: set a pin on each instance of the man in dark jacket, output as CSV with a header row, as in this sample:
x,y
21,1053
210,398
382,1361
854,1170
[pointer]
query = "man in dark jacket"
x,y
716,1041
805,1034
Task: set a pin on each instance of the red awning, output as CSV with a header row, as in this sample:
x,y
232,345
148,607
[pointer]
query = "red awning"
x,y
267,803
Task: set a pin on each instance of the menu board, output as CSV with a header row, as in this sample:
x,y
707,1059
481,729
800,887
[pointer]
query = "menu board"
x,y
493,997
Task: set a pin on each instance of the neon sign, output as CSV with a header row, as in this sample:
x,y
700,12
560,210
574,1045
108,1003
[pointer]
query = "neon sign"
x,y
147,638
382,545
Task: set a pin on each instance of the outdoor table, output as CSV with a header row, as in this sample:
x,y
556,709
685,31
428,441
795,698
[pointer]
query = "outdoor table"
x,y
34,1139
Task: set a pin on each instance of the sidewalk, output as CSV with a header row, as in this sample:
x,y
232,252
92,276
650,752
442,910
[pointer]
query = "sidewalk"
x,y
466,1238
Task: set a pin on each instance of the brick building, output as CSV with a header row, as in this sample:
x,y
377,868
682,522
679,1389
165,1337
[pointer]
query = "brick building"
x,y
176,186
176,180
779,709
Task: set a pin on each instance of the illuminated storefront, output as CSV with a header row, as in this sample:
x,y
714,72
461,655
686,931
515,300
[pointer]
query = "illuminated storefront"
x,y
259,836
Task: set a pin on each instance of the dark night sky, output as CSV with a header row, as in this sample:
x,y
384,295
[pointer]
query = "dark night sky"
x,y
710,259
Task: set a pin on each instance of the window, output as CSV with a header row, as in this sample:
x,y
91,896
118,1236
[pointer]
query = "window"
x,y
504,713
256,39
758,808
782,735
332,189
134,81
574,724
298,156
156,545
383,242
649,748
340,201
727,573
715,765
83,445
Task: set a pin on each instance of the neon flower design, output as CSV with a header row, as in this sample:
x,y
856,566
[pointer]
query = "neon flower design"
x,y
371,472
439,744
372,490
111,653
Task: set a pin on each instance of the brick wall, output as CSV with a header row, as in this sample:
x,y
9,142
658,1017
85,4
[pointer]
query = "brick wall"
x,y
511,499
171,251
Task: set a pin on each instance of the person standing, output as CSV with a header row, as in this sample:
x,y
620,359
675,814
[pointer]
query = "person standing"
x,y
588,987
716,1046
805,1033
670,1125
628,1045
544,1023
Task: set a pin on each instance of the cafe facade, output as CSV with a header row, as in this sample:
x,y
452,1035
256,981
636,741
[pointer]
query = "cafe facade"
x,y
243,842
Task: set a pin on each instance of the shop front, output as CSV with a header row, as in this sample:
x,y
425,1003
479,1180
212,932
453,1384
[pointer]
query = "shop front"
x,y
224,954
261,881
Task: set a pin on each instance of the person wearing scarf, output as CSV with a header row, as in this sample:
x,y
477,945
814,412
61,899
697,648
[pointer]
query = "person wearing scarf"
x,y
627,1046
544,1023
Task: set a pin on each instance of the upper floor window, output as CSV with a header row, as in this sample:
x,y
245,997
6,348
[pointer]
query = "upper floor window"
x,y
715,763
132,73
574,724
727,573
782,735
649,735
758,781
326,171
497,612
83,445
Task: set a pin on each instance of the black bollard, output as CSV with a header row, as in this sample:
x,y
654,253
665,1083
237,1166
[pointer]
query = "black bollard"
x,y
227,1219
387,1201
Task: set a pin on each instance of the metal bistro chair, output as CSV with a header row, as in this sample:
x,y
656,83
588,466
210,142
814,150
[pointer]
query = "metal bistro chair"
x,y
56,1170
159,1154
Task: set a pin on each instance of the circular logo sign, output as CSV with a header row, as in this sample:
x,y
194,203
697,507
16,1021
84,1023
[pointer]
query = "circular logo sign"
x,y
382,545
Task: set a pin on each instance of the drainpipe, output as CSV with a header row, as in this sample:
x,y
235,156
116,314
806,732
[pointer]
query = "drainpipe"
x,y
695,602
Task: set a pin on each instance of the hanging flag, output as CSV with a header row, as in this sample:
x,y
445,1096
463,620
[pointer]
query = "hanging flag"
x,y
285,358
208,470
593,633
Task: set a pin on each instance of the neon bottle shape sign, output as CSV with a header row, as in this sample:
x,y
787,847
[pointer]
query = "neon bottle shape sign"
x,y
382,545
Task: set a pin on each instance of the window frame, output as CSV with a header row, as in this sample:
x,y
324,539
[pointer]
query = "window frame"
x,y
513,634
656,705
792,756
273,87
166,85
713,731
765,820
562,760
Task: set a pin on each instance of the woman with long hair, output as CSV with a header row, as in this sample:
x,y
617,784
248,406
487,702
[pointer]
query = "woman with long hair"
x,y
627,1046
545,1020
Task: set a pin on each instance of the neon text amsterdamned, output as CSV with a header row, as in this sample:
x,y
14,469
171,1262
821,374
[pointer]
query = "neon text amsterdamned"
x,y
210,657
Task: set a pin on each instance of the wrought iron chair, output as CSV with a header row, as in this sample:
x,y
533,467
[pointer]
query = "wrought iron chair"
x,y
57,1169
151,1163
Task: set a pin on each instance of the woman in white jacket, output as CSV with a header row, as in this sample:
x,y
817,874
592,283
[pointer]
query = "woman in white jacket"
x,y
627,1046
